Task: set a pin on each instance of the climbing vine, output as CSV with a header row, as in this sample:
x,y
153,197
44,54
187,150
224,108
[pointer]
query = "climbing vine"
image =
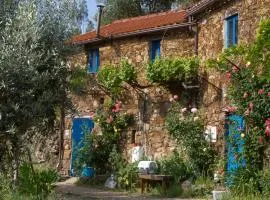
x,y
113,77
172,69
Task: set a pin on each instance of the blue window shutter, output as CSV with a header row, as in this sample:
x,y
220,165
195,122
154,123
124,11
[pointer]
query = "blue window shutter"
x,y
231,32
155,50
93,61
90,62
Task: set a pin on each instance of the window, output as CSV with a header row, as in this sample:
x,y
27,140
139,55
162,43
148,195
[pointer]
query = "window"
x,y
231,33
133,136
93,61
155,49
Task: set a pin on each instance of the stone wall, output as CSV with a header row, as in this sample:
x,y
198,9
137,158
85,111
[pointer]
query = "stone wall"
x,y
211,43
151,109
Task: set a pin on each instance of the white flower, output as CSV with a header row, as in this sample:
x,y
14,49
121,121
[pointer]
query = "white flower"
x,y
204,149
171,99
194,110
195,119
248,64
183,110
242,135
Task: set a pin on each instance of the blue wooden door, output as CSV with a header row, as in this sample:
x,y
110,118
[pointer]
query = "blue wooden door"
x,y
80,127
234,144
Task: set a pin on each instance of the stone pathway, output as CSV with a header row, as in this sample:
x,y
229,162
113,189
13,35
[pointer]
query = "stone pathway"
x,y
70,191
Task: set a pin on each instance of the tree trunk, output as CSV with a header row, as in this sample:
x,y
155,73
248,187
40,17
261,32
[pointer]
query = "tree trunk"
x,y
61,138
16,155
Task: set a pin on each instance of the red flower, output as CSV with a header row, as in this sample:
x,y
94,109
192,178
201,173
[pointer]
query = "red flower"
x,y
228,75
268,94
261,140
261,91
235,68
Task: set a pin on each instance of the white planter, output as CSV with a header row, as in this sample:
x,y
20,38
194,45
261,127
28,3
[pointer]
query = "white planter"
x,y
217,195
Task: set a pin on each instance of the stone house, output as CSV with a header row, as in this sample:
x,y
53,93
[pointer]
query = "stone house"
x,y
204,30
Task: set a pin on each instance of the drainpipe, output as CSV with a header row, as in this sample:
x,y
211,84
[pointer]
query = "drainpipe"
x,y
100,9
194,29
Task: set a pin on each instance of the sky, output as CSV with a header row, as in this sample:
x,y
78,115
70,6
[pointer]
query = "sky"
x,y
92,8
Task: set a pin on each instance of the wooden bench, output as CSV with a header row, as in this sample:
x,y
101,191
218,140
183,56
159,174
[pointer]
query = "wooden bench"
x,y
145,179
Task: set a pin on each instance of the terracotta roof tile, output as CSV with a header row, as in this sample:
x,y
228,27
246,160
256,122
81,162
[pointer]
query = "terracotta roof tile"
x,y
134,24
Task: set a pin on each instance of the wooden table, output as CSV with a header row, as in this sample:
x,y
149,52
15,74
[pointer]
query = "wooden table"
x,y
145,179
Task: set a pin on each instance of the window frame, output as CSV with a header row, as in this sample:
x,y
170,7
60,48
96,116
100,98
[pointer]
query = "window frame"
x,y
93,68
235,29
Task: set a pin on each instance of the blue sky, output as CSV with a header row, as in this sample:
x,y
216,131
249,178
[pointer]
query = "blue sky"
x,y
92,8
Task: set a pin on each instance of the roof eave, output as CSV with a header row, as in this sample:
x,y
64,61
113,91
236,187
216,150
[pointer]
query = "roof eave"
x,y
199,8
135,33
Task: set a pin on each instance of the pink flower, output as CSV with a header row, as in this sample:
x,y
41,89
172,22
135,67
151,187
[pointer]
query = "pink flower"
x,y
268,94
228,75
232,109
261,91
171,99
235,68
110,120
251,106
245,95
260,140
175,97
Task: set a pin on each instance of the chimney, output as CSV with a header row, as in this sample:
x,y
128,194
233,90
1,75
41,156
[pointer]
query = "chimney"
x,y
100,9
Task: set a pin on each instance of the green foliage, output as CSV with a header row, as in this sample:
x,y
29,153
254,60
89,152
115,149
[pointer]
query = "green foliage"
x,y
174,190
5,188
38,184
113,77
127,176
84,154
202,186
174,166
188,131
250,182
112,123
109,77
78,80
172,69
120,9
247,67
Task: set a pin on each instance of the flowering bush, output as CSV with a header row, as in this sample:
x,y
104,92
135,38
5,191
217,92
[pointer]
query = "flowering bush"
x,y
247,68
186,127
112,122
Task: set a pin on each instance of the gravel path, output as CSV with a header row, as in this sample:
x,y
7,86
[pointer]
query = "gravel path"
x,y
69,191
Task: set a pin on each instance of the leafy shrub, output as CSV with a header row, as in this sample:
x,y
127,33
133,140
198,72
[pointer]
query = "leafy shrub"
x,y
188,131
78,79
38,184
112,77
174,166
172,69
250,182
202,186
5,188
127,176
174,190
